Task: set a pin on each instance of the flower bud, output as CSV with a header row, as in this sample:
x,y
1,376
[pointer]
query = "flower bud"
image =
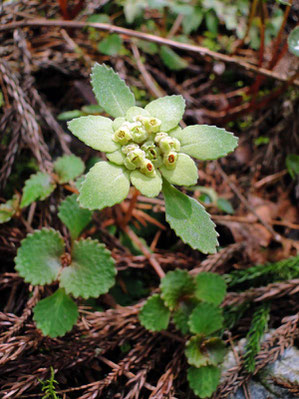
x,y
151,150
139,134
170,159
122,135
148,168
168,144
151,124
128,148
160,136
134,159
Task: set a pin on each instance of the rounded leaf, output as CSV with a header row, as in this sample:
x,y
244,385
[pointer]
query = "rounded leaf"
x,y
92,271
204,380
8,209
105,185
116,157
56,314
154,315
38,187
210,287
111,91
94,131
68,167
293,41
181,315
205,142
175,285
148,186
203,352
169,110
184,174
188,218
38,258
135,111
74,217
205,319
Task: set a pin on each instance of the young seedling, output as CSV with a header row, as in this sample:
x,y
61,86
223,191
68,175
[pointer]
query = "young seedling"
x,y
148,149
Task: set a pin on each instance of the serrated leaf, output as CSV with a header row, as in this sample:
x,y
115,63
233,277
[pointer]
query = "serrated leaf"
x,y
68,167
169,110
225,206
38,187
94,131
148,186
56,314
210,287
181,315
205,319
175,285
8,209
92,271
105,184
73,216
188,218
111,45
204,352
154,315
185,172
171,59
38,258
111,91
205,142
204,380
293,41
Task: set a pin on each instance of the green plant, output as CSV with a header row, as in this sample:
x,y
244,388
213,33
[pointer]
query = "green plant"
x,y
86,271
193,305
147,148
48,387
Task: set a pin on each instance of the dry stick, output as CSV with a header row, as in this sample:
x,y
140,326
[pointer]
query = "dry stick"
x,y
150,257
132,205
145,36
148,80
241,197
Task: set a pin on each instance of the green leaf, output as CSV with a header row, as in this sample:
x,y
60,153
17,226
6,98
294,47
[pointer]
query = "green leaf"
x,y
211,22
92,109
292,164
181,315
205,319
192,22
210,287
205,142
111,45
92,271
135,111
286,3
154,315
188,218
105,185
148,186
8,209
38,258
185,172
68,115
225,206
38,187
74,217
68,167
293,41
94,131
116,157
111,91
133,8
169,110
204,380
201,352
175,285
148,47
171,59
99,18
56,314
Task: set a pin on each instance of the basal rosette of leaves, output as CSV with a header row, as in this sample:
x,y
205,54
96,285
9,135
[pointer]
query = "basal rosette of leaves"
x,y
148,149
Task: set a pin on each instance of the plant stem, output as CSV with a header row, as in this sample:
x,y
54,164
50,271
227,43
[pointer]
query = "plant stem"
x,y
132,205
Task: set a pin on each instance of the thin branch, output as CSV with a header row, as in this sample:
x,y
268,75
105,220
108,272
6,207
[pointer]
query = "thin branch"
x,y
145,36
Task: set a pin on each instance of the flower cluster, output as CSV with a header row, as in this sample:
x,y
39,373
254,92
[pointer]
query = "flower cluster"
x,y
145,147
